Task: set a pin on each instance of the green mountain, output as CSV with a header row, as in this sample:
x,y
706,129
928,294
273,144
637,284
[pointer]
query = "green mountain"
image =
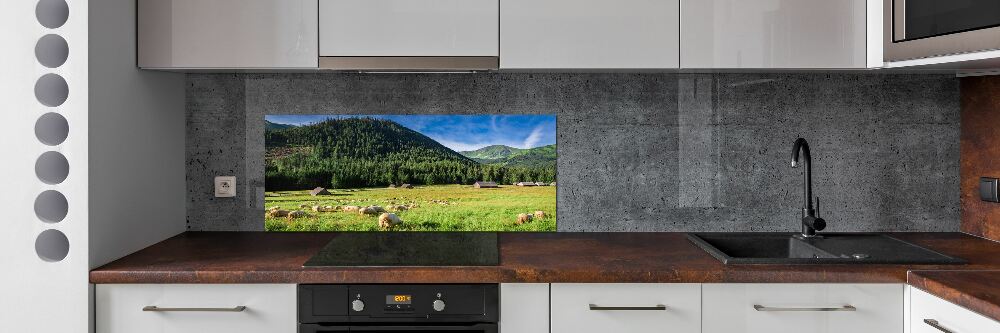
x,y
362,138
275,126
492,152
367,152
538,157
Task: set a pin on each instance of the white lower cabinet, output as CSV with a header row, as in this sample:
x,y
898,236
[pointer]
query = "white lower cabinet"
x,y
524,307
627,307
930,314
186,308
803,308
569,308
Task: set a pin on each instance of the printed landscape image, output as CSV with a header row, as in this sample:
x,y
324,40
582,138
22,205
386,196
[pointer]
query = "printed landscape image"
x,y
410,173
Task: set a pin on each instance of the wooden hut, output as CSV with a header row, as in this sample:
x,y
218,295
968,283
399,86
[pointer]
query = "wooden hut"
x,y
319,191
406,186
482,184
525,184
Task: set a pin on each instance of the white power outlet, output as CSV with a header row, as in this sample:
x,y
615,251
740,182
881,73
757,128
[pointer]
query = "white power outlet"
x,y
225,186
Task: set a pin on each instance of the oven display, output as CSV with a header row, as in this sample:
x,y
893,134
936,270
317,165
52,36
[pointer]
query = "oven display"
x,y
398,299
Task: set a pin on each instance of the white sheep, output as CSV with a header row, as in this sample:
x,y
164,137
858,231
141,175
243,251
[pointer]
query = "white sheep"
x,y
389,221
371,210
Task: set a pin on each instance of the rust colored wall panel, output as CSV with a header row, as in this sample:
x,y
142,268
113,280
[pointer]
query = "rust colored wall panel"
x,y
980,153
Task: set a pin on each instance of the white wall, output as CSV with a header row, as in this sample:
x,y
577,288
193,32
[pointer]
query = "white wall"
x,y
138,131
137,186
38,295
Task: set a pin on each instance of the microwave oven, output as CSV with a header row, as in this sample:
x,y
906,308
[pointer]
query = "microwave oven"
x,y
915,29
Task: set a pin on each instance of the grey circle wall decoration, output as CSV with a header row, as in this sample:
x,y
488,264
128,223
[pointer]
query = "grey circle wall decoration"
x,y
51,51
51,206
52,245
52,13
52,167
51,128
51,90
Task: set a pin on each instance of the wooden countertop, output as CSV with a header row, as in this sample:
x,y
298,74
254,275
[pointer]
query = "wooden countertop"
x,y
978,291
259,257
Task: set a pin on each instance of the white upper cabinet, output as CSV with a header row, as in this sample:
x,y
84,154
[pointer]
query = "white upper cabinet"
x,y
227,34
779,34
522,34
589,34
409,28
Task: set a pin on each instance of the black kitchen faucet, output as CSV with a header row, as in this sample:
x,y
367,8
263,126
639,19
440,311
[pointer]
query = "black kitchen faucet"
x,y
810,221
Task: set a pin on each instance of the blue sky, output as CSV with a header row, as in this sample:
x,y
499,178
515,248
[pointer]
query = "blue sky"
x,y
460,132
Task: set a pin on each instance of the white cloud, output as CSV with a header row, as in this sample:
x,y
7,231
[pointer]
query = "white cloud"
x,y
533,138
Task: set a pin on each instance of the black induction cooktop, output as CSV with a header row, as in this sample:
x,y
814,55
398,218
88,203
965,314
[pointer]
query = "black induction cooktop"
x,y
408,249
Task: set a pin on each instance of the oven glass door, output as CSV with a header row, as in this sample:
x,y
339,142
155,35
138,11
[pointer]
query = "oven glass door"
x,y
916,19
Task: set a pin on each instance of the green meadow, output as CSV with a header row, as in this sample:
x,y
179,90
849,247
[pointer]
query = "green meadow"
x,y
434,208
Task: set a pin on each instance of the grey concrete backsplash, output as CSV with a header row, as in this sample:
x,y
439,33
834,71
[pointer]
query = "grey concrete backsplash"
x,y
637,152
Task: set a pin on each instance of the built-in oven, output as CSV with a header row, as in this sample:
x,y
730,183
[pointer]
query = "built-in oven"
x,y
916,29
377,308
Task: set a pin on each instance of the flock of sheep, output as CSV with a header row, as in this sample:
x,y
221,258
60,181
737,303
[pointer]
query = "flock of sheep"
x,y
386,219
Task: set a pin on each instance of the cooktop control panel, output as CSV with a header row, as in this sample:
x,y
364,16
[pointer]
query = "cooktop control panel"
x,y
359,303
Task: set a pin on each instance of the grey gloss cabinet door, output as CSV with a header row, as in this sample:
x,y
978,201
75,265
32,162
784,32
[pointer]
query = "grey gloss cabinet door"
x,y
221,34
589,34
760,34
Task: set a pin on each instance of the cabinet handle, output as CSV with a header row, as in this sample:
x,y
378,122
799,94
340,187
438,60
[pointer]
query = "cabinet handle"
x,y
595,307
159,309
934,323
768,308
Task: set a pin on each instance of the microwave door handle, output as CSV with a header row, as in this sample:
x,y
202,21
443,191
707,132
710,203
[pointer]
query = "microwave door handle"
x,y
898,17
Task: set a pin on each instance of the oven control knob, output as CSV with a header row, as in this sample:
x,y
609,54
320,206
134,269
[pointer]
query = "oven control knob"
x,y
358,305
438,305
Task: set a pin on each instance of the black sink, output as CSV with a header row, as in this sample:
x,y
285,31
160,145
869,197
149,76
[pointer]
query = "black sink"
x,y
834,248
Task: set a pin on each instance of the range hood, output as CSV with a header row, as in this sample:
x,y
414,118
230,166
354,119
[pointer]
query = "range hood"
x,y
410,64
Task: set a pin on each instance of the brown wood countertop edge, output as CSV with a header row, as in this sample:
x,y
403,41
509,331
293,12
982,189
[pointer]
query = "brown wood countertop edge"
x,y
570,257
941,283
